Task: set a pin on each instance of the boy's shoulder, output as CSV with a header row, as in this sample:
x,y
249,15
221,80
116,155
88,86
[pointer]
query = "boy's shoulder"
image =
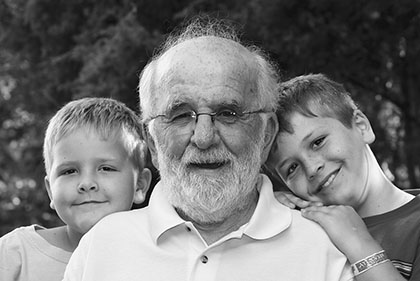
x,y
19,233
21,238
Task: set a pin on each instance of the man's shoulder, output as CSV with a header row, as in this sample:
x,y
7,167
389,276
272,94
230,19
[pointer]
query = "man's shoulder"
x,y
125,216
312,236
122,219
304,225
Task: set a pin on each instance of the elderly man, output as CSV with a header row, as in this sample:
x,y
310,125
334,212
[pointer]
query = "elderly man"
x,y
208,106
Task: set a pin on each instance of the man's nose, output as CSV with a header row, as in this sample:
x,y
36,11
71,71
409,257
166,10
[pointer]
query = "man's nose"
x,y
205,133
87,183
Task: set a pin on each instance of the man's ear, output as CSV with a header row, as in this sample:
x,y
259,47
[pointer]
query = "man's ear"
x,y
48,188
270,134
150,145
362,124
143,185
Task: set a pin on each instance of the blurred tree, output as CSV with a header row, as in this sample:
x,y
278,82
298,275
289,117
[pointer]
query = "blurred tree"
x,y
54,51
372,47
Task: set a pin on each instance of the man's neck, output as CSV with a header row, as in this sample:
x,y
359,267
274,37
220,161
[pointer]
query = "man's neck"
x,y
212,232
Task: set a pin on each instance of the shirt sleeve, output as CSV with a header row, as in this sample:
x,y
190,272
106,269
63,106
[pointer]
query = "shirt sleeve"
x,y
10,257
415,274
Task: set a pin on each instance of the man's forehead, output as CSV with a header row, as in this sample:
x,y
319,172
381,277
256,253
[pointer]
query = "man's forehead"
x,y
206,65
206,51
219,100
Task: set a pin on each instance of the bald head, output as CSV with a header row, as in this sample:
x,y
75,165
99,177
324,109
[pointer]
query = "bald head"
x,y
208,47
209,61
199,51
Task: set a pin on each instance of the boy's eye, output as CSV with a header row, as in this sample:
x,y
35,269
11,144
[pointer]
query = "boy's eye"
x,y
68,172
107,169
292,168
318,142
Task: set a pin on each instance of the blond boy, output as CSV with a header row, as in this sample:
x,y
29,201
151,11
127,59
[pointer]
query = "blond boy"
x,y
94,162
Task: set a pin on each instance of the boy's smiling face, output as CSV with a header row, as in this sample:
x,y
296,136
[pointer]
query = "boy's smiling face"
x,y
92,177
323,160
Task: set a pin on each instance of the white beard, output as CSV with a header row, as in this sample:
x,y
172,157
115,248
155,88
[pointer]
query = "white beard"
x,y
210,199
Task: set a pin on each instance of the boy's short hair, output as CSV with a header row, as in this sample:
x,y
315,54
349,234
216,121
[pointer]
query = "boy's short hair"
x,y
314,95
104,116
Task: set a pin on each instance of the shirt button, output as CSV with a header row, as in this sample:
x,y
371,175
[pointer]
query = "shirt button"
x,y
204,259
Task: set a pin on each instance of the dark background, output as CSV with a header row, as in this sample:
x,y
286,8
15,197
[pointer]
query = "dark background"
x,y
53,51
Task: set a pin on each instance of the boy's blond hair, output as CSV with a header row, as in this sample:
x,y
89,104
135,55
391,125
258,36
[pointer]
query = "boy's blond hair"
x,y
106,117
314,95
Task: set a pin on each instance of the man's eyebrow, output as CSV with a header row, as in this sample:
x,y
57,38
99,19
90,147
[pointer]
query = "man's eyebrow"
x,y
177,105
177,102
232,103
180,104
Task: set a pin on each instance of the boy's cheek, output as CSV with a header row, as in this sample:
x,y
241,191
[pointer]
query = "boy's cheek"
x,y
300,189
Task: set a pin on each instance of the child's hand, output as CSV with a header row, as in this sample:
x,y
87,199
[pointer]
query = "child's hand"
x,y
290,200
345,228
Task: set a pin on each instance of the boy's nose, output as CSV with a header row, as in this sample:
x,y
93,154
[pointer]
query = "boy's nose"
x,y
87,185
313,168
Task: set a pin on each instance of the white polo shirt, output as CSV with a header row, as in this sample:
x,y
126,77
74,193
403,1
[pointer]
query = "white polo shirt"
x,y
154,243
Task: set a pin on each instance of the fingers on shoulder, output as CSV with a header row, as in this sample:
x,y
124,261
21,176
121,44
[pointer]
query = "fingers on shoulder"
x,y
321,213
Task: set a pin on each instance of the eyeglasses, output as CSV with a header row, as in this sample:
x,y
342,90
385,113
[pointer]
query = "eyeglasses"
x,y
224,116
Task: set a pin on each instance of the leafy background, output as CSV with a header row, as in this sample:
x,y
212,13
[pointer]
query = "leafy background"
x,y
53,51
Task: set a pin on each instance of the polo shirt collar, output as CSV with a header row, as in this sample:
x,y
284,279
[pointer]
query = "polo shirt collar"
x,y
269,218
162,214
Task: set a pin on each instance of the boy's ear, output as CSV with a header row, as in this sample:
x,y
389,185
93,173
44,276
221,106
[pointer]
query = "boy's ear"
x,y
48,188
270,134
143,185
362,124
150,145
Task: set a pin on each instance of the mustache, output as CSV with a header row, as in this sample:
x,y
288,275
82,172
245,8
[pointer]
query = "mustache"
x,y
194,155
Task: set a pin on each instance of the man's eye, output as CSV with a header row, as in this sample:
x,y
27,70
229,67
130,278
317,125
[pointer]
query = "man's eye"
x,y
181,116
227,116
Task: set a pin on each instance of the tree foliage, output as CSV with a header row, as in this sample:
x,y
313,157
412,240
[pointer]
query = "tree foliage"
x,y
54,51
